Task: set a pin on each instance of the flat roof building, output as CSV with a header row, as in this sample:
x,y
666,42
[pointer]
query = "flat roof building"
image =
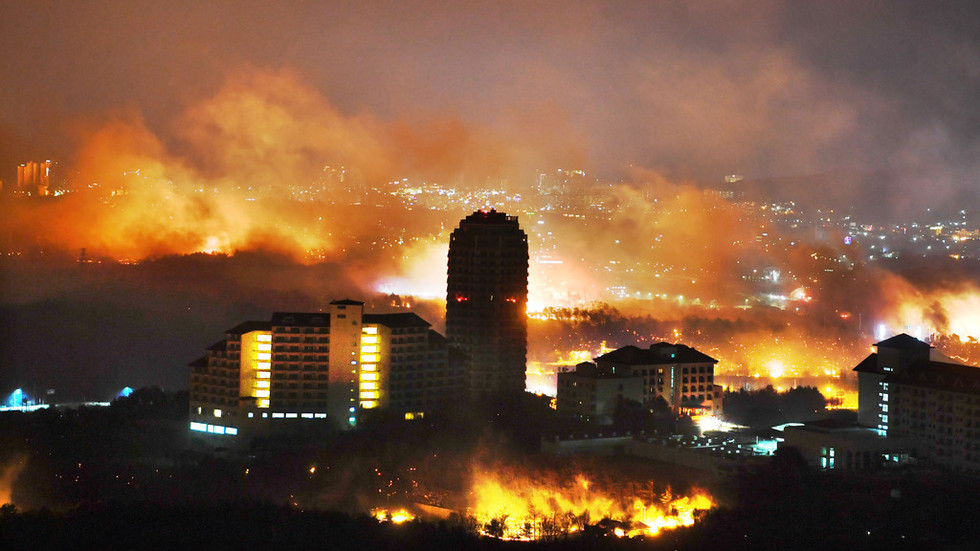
x,y
320,370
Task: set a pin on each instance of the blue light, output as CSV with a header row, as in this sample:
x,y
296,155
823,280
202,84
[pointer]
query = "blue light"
x,y
16,399
125,392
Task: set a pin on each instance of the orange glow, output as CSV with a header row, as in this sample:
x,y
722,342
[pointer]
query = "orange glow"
x,y
397,516
522,509
961,309
8,475
800,295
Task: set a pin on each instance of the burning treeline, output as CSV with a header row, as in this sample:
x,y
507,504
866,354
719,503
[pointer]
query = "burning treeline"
x,y
224,180
529,506
528,503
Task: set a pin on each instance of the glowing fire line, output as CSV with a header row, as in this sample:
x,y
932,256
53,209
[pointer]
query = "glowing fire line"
x,y
523,510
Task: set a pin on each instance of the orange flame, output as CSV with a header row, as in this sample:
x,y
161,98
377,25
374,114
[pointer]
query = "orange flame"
x,y
524,510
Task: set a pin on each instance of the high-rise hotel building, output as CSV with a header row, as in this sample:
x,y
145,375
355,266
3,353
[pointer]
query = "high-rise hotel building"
x,y
910,391
486,300
310,371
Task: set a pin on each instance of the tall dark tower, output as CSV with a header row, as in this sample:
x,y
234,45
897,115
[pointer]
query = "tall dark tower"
x,y
486,300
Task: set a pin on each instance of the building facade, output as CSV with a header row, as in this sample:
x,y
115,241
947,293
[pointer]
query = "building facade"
x,y
681,375
831,445
592,393
892,355
318,371
486,300
908,391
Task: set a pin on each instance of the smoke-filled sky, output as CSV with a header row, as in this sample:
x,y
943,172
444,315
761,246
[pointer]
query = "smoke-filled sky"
x,y
695,90
878,97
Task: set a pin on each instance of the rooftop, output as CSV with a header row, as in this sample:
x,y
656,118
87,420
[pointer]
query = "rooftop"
x,y
901,341
945,376
348,302
400,319
592,371
661,353
868,365
488,217
301,319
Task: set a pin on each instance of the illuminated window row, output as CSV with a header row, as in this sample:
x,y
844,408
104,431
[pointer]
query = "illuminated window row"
x,y
213,429
290,415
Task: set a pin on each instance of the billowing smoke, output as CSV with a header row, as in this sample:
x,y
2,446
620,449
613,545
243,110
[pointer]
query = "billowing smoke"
x,y
265,196
228,175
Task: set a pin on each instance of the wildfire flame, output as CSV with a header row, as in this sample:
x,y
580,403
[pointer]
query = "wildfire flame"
x,y
525,510
397,516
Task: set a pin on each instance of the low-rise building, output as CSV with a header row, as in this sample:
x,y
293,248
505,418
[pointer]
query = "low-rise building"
x,y
835,446
681,375
594,393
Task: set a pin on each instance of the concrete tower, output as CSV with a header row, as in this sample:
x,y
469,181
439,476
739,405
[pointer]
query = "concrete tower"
x,y
486,300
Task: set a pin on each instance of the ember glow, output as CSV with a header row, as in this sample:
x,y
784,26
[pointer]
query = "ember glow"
x,y
522,509
396,516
